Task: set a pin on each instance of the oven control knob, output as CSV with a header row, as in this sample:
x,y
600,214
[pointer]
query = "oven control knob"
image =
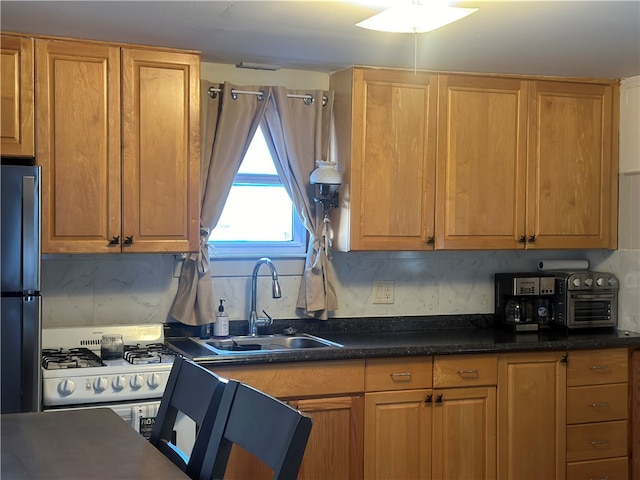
x,y
119,382
154,380
612,282
100,384
588,282
600,281
576,282
136,381
66,387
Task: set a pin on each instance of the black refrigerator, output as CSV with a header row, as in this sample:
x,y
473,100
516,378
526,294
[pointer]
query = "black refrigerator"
x,y
21,301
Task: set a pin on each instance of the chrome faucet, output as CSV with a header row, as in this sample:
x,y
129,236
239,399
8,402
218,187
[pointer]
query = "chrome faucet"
x,y
277,293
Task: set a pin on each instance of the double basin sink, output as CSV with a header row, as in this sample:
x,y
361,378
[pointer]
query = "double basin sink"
x,y
248,345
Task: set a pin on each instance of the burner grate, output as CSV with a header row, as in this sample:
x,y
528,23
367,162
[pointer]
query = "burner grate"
x,y
57,359
147,354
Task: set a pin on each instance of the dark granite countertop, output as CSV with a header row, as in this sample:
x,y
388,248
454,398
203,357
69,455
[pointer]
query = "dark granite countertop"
x,y
408,336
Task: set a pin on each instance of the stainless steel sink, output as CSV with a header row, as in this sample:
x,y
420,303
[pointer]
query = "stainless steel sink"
x,y
243,345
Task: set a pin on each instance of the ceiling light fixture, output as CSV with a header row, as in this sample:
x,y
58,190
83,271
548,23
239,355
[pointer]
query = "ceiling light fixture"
x,y
419,16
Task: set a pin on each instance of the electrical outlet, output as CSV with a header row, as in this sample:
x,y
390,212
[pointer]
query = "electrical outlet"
x,y
383,291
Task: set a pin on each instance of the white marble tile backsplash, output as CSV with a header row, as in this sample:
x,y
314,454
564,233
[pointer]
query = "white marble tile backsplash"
x,y
124,289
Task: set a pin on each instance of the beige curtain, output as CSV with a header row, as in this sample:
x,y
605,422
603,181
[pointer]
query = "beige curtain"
x,y
299,135
228,124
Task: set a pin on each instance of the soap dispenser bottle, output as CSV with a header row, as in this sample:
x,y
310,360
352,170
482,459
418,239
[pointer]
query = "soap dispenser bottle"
x,y
221,327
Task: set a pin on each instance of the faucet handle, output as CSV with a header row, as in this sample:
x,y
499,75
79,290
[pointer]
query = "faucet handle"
x,y
266,321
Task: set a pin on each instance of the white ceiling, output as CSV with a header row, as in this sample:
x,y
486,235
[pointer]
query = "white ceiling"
x,y
585,38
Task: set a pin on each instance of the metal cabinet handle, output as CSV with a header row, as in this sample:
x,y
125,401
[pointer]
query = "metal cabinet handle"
x,y
462,373
128,240
429,399
115,240
600,367
404,377
599,442
439,398
522,239
431,240
603,404
532,239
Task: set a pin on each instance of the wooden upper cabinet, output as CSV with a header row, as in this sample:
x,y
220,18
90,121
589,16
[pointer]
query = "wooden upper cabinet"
x,y
573,166
17,85
482,154
105,191
78,145
386,123
160,152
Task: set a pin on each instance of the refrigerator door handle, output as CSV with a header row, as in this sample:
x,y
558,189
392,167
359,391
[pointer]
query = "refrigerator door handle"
x,y
31,354
30,235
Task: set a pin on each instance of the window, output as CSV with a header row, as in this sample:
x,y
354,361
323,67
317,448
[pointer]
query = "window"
x,y
258,217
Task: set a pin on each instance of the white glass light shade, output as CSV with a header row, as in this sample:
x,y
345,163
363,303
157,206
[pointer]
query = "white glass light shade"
x,y
326,173
416,17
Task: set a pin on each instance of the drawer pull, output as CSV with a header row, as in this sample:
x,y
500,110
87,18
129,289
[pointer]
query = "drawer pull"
x,y
462,373
600,367
595,443
402,377
603,404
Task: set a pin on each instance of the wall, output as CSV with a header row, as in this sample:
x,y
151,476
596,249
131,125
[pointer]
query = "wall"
x,y
116,289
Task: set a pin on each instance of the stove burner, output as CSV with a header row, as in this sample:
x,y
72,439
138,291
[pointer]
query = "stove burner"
x,y
152,353
53,359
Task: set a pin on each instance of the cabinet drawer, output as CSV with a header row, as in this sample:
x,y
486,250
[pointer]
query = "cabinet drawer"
x,y
465,370
597,403
397,373
611,468
299,379
596,440
595,367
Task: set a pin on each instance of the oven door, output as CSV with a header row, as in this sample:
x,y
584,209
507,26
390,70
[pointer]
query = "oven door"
x,y
592,310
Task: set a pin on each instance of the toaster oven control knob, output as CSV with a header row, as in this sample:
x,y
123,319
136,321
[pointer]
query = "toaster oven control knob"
x,y
588,282
136,381
154,380
119,382
575,282
100,384
66,387
612,282
600,281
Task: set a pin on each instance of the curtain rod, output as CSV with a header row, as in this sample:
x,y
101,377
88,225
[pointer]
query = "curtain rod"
x,y
308,99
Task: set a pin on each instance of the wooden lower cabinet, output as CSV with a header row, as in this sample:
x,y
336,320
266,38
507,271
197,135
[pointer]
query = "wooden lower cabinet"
x,y
332,394
464,434
398,435
532,416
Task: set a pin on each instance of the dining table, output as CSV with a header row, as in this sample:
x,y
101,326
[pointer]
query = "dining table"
x,y
92,443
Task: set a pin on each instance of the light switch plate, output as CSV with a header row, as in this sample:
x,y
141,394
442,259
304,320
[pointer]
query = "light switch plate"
x,y
383,291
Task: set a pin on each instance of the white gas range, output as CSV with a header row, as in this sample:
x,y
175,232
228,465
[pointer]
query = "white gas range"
x,y
75,376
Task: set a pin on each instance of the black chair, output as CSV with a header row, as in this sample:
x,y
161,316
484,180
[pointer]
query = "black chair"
x,y
265,427
196,392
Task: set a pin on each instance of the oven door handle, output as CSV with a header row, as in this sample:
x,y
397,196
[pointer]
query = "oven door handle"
x,y
593,296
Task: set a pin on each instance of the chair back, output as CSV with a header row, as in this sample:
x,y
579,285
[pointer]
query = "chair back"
x,y
196,392
265,427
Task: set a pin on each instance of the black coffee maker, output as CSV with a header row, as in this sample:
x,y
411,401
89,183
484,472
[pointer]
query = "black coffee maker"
x,y
524,301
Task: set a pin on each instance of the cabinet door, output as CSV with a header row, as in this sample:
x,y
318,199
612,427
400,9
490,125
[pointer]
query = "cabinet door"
x,y
160,152
17,84
572,176
397,442
334,449
335,446
78,145
532,416
482,128
390,182
464,433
